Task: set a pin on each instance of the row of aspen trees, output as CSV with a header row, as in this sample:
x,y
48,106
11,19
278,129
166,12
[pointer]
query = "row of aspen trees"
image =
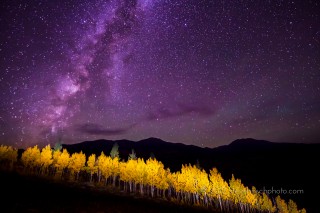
x,y
190,185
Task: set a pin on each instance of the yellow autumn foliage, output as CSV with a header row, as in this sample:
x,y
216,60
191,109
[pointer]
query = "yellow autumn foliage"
x,y
189,185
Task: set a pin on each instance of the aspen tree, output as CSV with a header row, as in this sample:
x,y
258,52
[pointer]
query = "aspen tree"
x,y
219,188
31,158
281,205
141,174
62,161
104,165
46,159
114,169
8,156
76,163
92,165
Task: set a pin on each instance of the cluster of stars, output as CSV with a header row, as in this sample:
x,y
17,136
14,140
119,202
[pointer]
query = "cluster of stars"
x,y
196,72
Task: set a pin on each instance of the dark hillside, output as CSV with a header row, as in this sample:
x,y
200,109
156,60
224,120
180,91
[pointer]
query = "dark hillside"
x,y
32,194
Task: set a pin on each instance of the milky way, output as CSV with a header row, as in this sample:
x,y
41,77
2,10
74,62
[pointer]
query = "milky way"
x,y
196,72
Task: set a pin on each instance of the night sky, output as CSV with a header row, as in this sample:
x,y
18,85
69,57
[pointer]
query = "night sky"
x,y
196,72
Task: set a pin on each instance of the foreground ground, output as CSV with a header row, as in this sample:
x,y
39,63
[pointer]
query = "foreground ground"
x,y
30,194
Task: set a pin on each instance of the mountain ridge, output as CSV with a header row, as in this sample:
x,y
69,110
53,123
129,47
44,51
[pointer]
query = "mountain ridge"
x,y
238,143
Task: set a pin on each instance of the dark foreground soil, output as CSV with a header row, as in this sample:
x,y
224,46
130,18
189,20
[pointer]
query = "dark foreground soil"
x,y
31,194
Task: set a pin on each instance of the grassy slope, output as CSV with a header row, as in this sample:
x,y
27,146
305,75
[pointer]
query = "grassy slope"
x,y
30,194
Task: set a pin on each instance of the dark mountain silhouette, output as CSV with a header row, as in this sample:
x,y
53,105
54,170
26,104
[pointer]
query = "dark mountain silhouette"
x,y
173,155
263,164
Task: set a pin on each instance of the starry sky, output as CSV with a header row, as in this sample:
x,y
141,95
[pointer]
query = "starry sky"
x,y
197,72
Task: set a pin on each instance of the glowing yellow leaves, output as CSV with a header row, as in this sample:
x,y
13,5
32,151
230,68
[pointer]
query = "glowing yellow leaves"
x,y
190,185
128,172
104,164
61,160
76,163
8,156
31,158
155,174
281,205
92,166
141,174
219,188
46,158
